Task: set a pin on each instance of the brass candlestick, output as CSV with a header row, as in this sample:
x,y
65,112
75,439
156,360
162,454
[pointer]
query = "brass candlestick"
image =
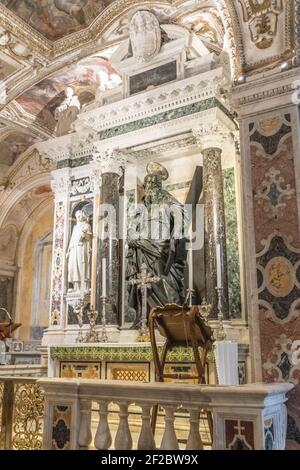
x,y
92,336
103,337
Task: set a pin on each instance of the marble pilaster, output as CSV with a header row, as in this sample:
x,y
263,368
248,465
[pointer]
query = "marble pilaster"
x,y
61,187
269,123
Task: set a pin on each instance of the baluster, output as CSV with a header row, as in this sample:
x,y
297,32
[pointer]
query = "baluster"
x,y
103,438
169,440
194,441
85,434
146,440
123,440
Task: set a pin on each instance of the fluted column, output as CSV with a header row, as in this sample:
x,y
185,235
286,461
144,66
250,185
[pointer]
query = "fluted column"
x,y
214,215
110,164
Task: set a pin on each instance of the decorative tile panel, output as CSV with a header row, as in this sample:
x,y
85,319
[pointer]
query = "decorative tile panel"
x,y
239,435
78,370
277,239
61,428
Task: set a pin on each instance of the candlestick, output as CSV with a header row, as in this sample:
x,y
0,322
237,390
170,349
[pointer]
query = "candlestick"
x,y
220,332
219,265
190,261
103,336
103,277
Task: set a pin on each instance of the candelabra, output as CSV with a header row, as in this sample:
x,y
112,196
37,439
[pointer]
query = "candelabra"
x,y
92,336
189,297
205,310
220,330
78,310
103,337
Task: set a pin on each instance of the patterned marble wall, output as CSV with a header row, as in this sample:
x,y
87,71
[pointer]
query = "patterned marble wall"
x,y
277,239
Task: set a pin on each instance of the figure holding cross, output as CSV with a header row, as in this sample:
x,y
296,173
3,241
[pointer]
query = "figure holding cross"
x,y
143,281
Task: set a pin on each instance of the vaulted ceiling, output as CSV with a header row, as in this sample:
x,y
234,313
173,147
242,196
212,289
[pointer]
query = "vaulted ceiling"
x,y
47,45
55,19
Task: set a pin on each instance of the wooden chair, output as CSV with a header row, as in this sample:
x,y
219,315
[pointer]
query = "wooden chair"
x,y
7,328
182,327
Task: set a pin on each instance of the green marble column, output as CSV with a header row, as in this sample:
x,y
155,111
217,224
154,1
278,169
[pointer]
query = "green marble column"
x,y
214,228
109,246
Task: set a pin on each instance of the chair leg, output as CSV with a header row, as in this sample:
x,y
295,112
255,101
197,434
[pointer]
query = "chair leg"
x,y
210,425
160,379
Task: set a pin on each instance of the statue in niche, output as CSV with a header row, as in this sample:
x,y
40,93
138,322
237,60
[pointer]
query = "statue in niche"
x,y
67,112
145,36
154,239
79,254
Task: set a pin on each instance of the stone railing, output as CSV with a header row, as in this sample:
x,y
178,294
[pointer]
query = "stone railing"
x,y
23,370
21,413
244,417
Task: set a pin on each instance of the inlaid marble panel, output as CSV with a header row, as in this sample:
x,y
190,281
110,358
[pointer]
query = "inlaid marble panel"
x,y
277,239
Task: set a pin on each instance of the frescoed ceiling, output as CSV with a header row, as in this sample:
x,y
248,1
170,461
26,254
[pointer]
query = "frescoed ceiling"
x,y
49,45
84,78
13,143
55,19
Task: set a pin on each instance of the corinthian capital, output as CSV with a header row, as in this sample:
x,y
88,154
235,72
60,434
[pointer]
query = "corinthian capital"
x,y
211,134
61,185
109,160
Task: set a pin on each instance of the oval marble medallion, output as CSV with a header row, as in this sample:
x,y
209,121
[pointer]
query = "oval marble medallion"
x,y
279,275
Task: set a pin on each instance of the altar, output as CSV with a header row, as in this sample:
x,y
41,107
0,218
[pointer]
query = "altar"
x,y
164,132
129,362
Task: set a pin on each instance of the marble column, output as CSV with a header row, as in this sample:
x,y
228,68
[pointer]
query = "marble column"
x,y
111,166
214,216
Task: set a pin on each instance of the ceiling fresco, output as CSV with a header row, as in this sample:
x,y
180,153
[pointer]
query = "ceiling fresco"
x,y
85,77
28,99
57,18
13,144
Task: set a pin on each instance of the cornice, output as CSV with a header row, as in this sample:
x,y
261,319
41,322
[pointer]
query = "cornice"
x,y
153,102
266,93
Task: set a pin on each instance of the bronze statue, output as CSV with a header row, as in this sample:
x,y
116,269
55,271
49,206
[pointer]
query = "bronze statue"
x,y
155,239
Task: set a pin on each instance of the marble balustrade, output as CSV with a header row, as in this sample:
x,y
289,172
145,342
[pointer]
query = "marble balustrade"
x,y
244,417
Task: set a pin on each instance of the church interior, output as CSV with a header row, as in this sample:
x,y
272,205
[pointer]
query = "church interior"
x,y
150,224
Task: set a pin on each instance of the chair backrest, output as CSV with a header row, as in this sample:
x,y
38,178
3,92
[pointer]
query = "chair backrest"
x,y
180,324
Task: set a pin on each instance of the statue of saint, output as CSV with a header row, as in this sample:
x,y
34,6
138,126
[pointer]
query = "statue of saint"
x,y
155,239
79,253
67,112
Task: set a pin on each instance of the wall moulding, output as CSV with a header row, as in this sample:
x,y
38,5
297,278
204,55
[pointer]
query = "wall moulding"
x,y
266,93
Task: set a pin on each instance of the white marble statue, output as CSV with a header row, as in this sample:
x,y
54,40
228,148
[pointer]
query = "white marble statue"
x,y
67,112
79,254
145,36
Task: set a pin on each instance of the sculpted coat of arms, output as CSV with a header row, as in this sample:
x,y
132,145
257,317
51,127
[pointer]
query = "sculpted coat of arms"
x,y
145,36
